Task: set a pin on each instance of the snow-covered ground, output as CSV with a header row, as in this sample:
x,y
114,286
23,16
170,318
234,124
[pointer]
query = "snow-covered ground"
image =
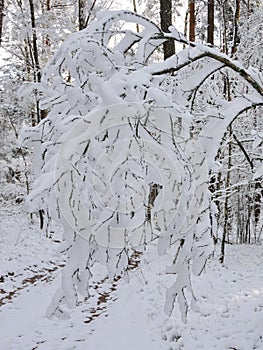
x,y
120,315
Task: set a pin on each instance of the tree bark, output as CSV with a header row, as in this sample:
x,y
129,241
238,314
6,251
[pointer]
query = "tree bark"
x,y
166,22
48,8
210,21
225,45
2,5
82,19
236,22
192,20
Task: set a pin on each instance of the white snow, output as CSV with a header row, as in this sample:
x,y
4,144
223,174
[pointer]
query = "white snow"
x,y
129,315
225,303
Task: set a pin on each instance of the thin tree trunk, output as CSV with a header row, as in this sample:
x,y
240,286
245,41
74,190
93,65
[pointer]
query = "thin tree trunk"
x,y
135,10
2,5
166,22
258,192
48,8
226,209
192,20
186,24
218,189
29,63
241,226
248,9
225,46
210,21
41,114
35,59
235,34
34,41
90,12
248,222
238,216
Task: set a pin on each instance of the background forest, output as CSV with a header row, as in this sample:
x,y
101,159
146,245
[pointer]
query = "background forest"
x,y
33,38
32,31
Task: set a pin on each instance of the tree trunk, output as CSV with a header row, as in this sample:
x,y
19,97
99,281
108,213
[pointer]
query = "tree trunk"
x,y
225,45
210,21
90,12
37,74
135,10
186,24
82,19
192,20
166,22
2,5
34,41
48,8
248,9
226,208
235,34
258,194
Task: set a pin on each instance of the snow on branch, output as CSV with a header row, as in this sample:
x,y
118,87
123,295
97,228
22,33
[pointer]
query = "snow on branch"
x,y
186,57
118,161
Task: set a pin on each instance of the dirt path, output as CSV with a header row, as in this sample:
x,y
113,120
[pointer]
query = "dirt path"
x,y
35,276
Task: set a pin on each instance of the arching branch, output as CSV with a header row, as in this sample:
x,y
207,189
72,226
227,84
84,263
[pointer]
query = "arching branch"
x,y
177,62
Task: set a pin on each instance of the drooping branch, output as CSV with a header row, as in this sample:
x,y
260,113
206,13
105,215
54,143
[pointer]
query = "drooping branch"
x,y
221,122
208,74
176,63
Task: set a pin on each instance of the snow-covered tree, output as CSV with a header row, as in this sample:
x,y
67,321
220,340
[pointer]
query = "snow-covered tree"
x,y
121,160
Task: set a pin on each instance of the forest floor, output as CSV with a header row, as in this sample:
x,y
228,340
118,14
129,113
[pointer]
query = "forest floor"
x,y
120,315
